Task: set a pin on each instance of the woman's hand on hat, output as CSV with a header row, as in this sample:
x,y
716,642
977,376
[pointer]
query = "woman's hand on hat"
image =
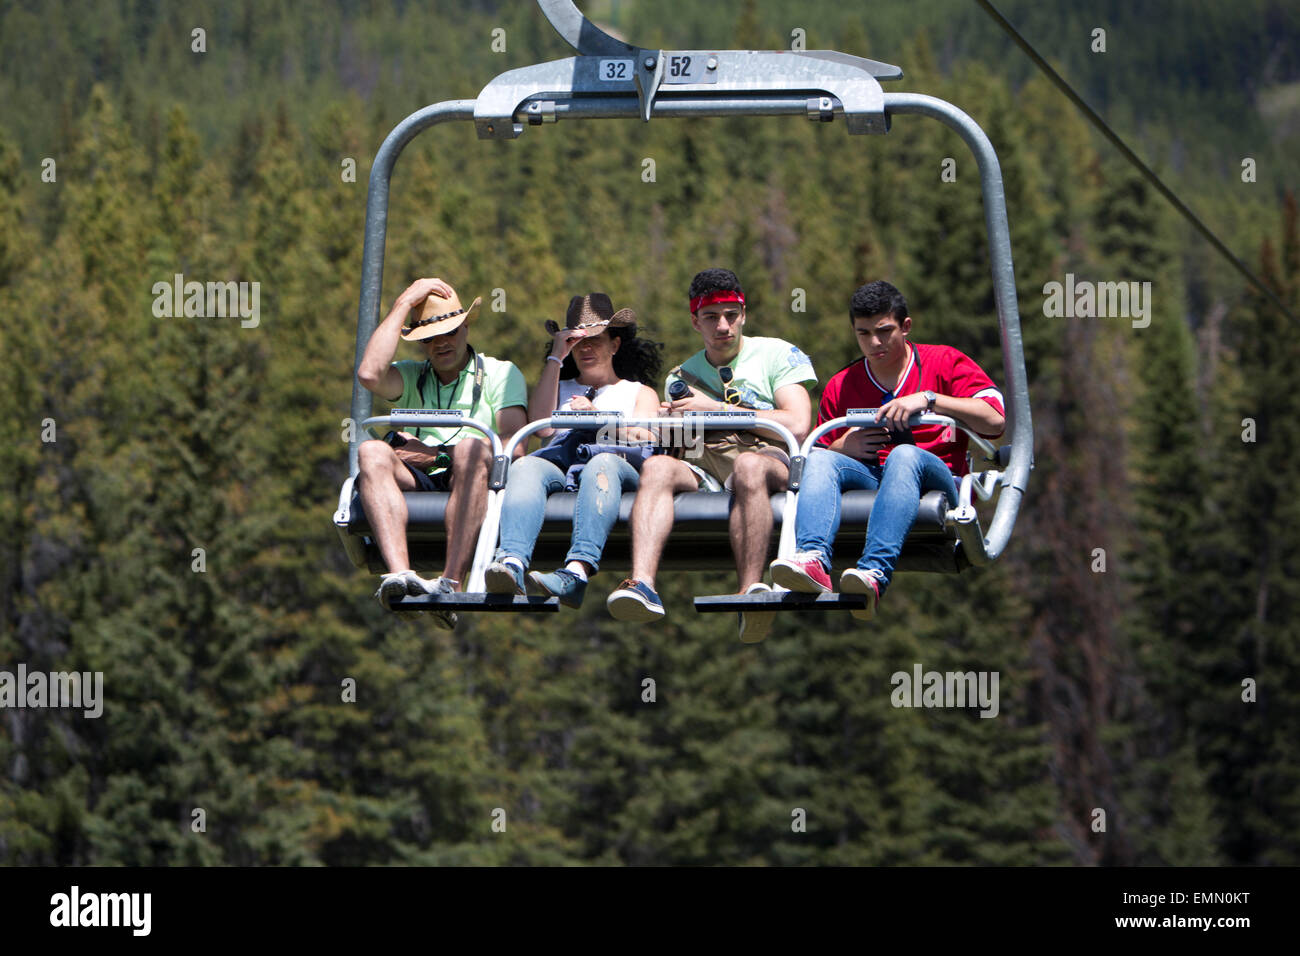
x,y
565,340
421,289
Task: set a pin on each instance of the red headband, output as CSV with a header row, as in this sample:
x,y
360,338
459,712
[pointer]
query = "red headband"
x,y
726,295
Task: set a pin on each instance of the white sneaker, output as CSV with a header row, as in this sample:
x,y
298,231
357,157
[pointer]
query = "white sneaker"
x,y
417,586
398,584
392,585
754,625
853,581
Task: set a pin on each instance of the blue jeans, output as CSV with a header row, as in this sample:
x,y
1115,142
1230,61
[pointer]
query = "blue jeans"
x,y
908,472
600,489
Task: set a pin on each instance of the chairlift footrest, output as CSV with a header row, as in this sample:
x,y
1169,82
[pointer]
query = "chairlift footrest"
x,y
780,601
476,602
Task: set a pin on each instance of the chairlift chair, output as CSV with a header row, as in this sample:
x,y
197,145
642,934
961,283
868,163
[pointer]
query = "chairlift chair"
x,y
611,79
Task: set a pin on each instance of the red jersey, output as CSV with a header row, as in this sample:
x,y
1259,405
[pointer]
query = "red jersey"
x,y
938,368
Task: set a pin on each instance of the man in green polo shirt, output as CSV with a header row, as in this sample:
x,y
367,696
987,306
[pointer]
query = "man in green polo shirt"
x,y
452,376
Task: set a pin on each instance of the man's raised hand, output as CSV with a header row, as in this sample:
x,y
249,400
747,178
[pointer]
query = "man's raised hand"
x,y
421,289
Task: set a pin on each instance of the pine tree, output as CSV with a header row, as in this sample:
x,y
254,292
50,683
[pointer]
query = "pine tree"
x,y
1254,568
1164,559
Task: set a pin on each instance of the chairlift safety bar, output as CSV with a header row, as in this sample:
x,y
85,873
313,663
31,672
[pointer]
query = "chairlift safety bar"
x,y
707,421
867,419
433,418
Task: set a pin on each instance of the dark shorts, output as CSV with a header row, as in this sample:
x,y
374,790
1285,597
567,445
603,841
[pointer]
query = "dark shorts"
x,y
427,482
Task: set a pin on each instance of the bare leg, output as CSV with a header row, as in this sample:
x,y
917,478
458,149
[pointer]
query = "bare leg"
x,y
652,514
756,477
381,480
467,506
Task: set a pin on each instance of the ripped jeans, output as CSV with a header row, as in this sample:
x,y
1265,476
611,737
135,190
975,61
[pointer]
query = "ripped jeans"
x,y
600,490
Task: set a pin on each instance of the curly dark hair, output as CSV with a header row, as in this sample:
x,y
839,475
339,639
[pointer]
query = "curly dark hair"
x,y
714,280
877,298
637,359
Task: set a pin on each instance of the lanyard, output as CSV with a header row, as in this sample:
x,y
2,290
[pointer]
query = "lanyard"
x,y
425,374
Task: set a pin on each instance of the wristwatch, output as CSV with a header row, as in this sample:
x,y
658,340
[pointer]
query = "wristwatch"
x,y
929,400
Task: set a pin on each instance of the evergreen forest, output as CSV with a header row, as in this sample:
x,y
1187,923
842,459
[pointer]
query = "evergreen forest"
x,y
168,482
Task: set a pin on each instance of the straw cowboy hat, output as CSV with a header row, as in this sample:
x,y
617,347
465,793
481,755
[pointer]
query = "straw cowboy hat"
x,y
592,313
438,316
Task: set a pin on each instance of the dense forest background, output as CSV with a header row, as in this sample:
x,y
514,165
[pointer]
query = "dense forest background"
x,y
1121,689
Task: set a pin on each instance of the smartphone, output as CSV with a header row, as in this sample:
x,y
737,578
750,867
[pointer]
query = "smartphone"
x,y
902,437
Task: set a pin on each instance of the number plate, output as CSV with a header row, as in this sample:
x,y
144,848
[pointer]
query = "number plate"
x,y
615,71
426,412
689,68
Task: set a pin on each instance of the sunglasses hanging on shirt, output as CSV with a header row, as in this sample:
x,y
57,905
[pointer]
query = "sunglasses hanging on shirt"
x,y
730,394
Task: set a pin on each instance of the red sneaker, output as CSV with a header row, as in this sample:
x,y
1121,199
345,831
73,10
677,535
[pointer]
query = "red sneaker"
x,y
803,572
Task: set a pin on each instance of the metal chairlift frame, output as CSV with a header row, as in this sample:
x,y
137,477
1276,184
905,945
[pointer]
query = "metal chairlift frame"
x,y
611,79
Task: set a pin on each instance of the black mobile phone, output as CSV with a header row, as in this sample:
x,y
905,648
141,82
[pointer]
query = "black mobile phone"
x,y
394,439
902,437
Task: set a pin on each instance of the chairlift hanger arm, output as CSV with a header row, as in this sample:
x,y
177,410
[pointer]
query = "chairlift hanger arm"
x,y
827,79
579,32
824,81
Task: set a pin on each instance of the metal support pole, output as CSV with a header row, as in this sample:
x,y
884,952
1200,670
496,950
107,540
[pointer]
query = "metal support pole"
x,y
1020,424
372,256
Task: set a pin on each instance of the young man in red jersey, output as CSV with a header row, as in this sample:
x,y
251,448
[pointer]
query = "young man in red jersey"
x,y
900,378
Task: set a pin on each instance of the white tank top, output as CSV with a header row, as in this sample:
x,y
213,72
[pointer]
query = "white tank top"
x,y
618,397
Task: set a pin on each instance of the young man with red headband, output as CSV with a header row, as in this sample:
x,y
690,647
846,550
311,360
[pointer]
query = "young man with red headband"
x,y
900,378
732,372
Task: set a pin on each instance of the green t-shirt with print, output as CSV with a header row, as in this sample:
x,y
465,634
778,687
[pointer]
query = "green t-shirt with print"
x,y
503,387
762,366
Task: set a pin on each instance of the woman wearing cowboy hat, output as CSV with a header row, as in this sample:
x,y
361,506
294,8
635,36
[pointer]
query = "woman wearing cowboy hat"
x,y
595,363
